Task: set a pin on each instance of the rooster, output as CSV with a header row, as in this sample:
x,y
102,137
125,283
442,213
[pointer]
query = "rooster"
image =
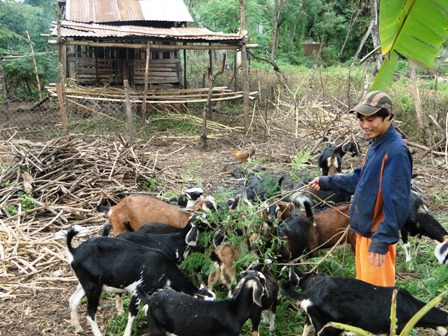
x,y
242,156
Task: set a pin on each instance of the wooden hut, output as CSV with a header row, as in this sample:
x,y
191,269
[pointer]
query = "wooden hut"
x,y
143,42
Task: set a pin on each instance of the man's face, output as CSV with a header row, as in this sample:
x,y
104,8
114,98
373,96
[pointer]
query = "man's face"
x,y
374,126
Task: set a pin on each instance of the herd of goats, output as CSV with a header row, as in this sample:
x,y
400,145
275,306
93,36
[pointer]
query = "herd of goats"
x,y
151,237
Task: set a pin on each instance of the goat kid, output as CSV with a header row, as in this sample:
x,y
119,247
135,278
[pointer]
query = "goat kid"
x,y
184,315
224,257
119,265
358,303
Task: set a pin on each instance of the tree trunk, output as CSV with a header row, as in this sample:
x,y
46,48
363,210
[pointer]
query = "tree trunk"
x,y
244,68
375,33
416,98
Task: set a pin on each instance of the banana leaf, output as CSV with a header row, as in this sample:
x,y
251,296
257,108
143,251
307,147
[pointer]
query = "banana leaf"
x,y
414,29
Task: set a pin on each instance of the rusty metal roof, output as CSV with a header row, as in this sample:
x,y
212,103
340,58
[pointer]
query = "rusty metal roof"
x,y
94,30
101,11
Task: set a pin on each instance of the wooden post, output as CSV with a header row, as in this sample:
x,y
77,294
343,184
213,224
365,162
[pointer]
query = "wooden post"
x,y
244,68
208,105
61,87
61,100
129,111
184,52
36,72
145,93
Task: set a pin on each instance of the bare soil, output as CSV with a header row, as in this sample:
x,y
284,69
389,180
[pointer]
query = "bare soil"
x,y
43,309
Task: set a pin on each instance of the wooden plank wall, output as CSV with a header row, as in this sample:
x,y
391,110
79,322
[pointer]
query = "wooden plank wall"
x,y
161,71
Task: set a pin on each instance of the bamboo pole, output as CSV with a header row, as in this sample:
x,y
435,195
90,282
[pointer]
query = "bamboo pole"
x,y
36,72
129,111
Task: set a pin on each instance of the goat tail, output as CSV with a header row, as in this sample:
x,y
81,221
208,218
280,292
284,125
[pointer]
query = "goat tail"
x,y
73,231
308,210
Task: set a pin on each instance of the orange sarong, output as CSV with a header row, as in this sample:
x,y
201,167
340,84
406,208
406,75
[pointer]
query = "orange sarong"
x,y
383,276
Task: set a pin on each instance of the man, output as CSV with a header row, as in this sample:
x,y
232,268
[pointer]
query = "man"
x,y
381,188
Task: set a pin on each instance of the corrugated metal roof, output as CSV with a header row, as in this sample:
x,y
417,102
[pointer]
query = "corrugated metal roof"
x,y
74,29
101,11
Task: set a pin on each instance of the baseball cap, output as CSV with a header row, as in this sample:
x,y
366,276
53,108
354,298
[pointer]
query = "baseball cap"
x,y
372,103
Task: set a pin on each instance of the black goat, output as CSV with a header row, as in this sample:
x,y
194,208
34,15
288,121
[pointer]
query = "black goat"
x,y
354,302
184,315
120,265
330,160
421,223
258,189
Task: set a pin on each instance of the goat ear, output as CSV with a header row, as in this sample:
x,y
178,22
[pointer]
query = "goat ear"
x,y
294,275
191,238
257,292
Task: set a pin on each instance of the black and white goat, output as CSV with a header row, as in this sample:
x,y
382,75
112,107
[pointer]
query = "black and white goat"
x,y
184,315
188,198
330,160
421,223
354,302
119,265
269,302
301,193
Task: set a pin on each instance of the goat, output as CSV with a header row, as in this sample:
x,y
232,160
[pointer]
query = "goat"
x,y
224,257
137,210
258,189
184,315
441,252
119,265
330,160
313,231
421,223
319,199
269,302
350,301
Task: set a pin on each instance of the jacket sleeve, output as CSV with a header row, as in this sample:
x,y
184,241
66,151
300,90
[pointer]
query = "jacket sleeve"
x,y
343,184
396,185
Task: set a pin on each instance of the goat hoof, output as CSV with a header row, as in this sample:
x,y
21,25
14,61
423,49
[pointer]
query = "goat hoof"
x,y
79,330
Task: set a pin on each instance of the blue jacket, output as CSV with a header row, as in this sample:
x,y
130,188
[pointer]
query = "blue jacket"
x,y
381,188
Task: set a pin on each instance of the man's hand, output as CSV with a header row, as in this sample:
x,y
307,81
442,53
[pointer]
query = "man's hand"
x,y
314,184
376,259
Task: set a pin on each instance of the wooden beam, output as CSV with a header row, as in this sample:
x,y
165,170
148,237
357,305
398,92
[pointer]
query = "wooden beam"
x,y
153,46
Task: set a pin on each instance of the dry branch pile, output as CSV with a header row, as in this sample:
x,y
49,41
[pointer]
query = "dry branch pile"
x,y
59,183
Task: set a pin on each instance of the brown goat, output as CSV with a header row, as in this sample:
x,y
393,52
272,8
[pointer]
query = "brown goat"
x,y
137,210
225,257
314,230
330,224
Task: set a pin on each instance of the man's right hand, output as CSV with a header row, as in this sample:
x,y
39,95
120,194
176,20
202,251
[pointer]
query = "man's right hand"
x,y
314,184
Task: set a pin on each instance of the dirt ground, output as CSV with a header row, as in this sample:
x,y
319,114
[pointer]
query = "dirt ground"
x,y
43,309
